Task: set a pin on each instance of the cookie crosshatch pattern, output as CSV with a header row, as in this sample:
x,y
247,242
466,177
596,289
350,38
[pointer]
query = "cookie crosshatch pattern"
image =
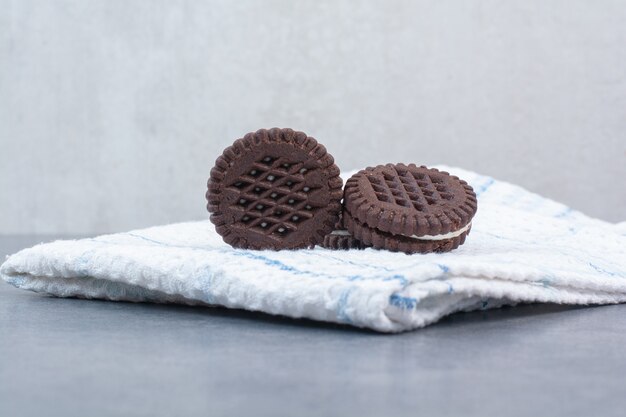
x,y
274,189
409,188
274,195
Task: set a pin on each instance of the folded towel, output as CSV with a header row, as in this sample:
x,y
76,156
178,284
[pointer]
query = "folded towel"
x,y
522,248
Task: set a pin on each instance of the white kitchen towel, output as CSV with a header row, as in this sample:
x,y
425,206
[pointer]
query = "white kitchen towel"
x,y
522,248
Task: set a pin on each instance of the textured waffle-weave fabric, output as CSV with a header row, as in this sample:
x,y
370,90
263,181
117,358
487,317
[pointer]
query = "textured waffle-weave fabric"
x,y
522,248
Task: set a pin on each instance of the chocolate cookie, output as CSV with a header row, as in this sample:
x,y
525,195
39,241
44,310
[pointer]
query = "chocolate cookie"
x,y
341,239
397,243
274,189
408,208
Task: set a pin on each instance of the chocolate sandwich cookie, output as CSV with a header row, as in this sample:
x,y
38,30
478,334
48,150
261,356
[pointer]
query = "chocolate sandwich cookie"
x,y
341,239
408,208
274,189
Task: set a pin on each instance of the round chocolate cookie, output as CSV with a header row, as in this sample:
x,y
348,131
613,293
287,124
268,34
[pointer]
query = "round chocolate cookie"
x,y
274,189
408,208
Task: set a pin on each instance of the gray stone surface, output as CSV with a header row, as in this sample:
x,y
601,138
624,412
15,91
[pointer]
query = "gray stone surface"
x,y
74,357
112,112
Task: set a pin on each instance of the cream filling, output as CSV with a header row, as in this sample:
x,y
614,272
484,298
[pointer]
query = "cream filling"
x,y
443,236
340,232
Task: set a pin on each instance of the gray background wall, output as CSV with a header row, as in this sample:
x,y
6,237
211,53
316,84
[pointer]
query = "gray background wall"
x,y
112,112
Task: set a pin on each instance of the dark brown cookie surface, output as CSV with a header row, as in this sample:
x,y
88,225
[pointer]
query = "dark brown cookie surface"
x,y
420,206
274,189
409,200
341,239
398,243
